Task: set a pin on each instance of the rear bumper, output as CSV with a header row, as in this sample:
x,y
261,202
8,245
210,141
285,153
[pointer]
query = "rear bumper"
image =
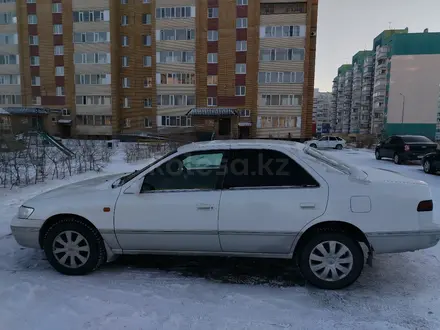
x,y
412,156
26,232
395,242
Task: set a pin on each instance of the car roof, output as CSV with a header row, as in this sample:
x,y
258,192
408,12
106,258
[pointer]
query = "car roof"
x,y
245,143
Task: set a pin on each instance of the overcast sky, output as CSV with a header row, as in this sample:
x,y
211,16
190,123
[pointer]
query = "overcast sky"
x,y
347,26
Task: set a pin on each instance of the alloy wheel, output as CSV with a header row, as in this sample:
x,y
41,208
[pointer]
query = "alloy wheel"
x,y
427,166
71,249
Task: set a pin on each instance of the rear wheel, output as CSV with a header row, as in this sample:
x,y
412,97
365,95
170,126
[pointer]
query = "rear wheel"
x,y
331,261
397,159
428,168
339,146
314,145
377,154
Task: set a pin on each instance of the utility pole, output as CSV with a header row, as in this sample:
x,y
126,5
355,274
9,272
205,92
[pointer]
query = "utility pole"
x,y
403,111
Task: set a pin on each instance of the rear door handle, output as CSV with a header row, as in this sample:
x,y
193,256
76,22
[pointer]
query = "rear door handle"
x,y
307,205
205,207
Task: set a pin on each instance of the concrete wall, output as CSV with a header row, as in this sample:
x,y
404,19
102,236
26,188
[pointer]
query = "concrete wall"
x,y
418,78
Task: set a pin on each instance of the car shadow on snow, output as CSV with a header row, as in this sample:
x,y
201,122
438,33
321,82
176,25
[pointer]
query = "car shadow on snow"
x,y
280,273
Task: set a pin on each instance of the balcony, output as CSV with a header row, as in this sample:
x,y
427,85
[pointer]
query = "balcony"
x,y
382,53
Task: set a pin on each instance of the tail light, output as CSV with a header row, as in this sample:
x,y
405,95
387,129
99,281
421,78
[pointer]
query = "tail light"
x,y
425,206
406,147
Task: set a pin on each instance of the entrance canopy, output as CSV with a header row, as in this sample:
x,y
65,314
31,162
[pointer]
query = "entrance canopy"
x,y
212,112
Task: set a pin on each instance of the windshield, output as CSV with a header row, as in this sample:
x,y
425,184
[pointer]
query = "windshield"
x,y
123,180
328,160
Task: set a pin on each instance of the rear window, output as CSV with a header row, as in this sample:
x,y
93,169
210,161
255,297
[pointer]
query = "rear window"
x,y
328,160
421,139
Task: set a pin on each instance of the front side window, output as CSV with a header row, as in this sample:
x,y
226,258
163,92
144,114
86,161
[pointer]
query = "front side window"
x,y
190,171
265,168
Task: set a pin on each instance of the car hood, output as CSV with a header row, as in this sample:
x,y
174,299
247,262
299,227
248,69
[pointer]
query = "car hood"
x,y
81,187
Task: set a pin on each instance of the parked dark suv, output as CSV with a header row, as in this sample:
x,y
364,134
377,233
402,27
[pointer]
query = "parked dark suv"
x,y
402,148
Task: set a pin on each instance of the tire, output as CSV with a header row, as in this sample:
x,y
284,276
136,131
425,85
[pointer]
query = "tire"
x,y
377,154
314,145
310,252
339,147
428,168
396,159
88,254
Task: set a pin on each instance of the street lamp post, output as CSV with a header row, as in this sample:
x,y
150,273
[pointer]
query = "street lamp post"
x,y
403,111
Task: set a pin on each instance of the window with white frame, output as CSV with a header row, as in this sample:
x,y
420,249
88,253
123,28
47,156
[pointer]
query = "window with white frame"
x,y
174,121
146,19
212,35
124,20
175,12
57,29
148,102
124,2
175,57
176,78
148,123
10,99
9,59
240,90
35,81
65,112
8,18
280,77
280,100
57,7
91,16
59,91
125,61
91,37
8,39
36,100
146,1
241,23
146,40
282,31
147,61
126,103
124,41
175,100
212,12
241,45
93,100
240,68
212,58
148,82
278,122
58,50
92,58
242,2
176,34
212,102
125,82
59,71
35,60
32,19
212,80
33,40
127,123
93,79
244,113
9,79
282,54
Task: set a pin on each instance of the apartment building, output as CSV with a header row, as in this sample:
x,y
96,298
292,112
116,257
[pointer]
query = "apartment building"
x,y
322,103
233,68
395,86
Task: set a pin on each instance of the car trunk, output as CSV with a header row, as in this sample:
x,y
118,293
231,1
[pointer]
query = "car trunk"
x,y
421,149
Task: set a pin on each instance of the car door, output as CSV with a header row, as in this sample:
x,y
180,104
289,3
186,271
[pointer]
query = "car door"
x,y
332,142
267,199
385,148
323,142
176,208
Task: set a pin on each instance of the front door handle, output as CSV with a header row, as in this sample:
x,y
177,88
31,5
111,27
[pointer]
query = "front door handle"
x,y
205,207
307,205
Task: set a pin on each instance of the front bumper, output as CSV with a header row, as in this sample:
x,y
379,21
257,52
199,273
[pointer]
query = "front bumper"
x,y
27,231
396,242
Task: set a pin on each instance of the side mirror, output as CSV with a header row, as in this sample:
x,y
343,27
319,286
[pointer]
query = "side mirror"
x,y
135,187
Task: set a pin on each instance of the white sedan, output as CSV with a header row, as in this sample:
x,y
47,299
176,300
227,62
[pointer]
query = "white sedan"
x,y
327,142
243,198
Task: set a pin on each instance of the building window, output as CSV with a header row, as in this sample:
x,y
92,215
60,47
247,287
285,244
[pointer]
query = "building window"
x,y
57,7
244,113
32,19
9,59
93,79
124,2
91,16
148,82
242,2
241,45
8,39
240,68
126,103
93,100
91,37
125,82
240,90
212,58
125,60
91,58
283,8
282,54
175,121
124,41
212,80
280,100
212,12
124,20
176,34
241,23
35,60
36,100
65,112
212,35
57,29
59,91
33,40
127,123
146,40
283,31
148,123
35,81
59,71
146,19
10,79
281,77
212,102
58,50
10,99
176,78
148,103
175,12
147,61
175,57
175,100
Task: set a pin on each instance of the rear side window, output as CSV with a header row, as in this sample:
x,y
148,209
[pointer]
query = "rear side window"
x,y
265,168
333,139
415,139
395,140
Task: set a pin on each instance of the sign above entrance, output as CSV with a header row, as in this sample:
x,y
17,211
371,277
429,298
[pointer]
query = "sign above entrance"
x,y
212,112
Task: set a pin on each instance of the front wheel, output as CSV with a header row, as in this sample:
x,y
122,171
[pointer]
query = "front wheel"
x,y
396,159
314,145
428,168
331,261
339,147
377,154
73,247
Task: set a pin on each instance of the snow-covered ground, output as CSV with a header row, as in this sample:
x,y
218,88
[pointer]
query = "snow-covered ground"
x,y
400,292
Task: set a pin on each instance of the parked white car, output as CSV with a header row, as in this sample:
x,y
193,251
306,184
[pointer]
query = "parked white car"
x,y
327,142
243,198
